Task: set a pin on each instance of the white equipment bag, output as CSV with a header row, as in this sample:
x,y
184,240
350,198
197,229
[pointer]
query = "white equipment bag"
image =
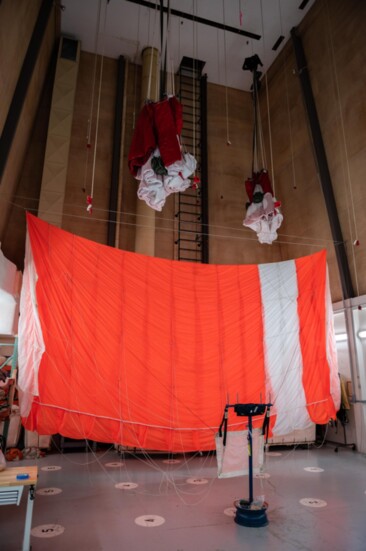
x,y
233,459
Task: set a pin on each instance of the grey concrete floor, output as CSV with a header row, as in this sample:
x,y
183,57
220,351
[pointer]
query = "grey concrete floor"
x,y
93,514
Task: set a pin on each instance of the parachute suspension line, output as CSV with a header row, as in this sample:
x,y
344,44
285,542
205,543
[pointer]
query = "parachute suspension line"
x,y
294,184
135,62
194,78
170,56
353,231
168,62
267,101
90,119
148,94
228,142
98,110
164,49
261,148
255,163
259,130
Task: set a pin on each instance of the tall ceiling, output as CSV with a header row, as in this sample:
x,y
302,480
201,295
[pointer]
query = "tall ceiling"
x,y
125,27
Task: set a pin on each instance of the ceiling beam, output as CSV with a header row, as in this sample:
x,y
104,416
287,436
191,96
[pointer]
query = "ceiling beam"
x,y
196,19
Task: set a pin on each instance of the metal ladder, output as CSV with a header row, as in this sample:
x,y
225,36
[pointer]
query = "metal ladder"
x,y
191,213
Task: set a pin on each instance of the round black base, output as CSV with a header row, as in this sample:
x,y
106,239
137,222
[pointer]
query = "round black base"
x,y
249,515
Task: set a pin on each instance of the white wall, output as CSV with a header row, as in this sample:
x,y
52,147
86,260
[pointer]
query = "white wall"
x,y
350,318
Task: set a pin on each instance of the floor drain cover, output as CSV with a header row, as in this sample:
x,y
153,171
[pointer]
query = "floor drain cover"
x,y
126,485
194,480
114,464
48,491
47,531
314,469
51,468
149,521
262,475
171,461
313,502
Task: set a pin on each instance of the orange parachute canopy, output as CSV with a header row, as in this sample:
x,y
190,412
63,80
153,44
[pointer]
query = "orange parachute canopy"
x,y
120,347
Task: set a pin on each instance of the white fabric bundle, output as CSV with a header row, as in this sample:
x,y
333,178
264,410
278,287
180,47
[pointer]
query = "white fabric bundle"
x,y
264,219
155,188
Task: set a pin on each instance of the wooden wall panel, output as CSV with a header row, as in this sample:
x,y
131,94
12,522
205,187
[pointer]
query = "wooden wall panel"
x,y
21,142
17,20
81,158
27,193
332,36
333,39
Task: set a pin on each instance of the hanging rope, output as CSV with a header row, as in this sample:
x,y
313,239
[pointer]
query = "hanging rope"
x,y
194,79
135,62
163,56
261,138
228,142
255,125
294,185
148,95
164,48
170,57
90,119
267,101
90,197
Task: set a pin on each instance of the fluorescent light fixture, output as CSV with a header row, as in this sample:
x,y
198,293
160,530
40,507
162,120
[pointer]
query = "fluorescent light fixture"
x,y
340,337
362,334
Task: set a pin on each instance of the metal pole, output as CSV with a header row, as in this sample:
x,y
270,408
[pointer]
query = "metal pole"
x,y
250,452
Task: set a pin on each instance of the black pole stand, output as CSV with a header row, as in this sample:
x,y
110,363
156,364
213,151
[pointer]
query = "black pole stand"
x,y
249,513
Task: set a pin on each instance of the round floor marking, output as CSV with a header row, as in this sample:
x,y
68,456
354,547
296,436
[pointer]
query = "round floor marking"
x,y
48,491
262,475
314,469
150,521
171,461
126,485
313,502
274,454
51,468
230,511
47,531
195,480
114,464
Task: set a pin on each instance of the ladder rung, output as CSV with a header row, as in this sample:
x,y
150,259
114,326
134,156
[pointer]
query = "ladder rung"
x,y
191,231
186,240
184,199
190,250
195,98
180,212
